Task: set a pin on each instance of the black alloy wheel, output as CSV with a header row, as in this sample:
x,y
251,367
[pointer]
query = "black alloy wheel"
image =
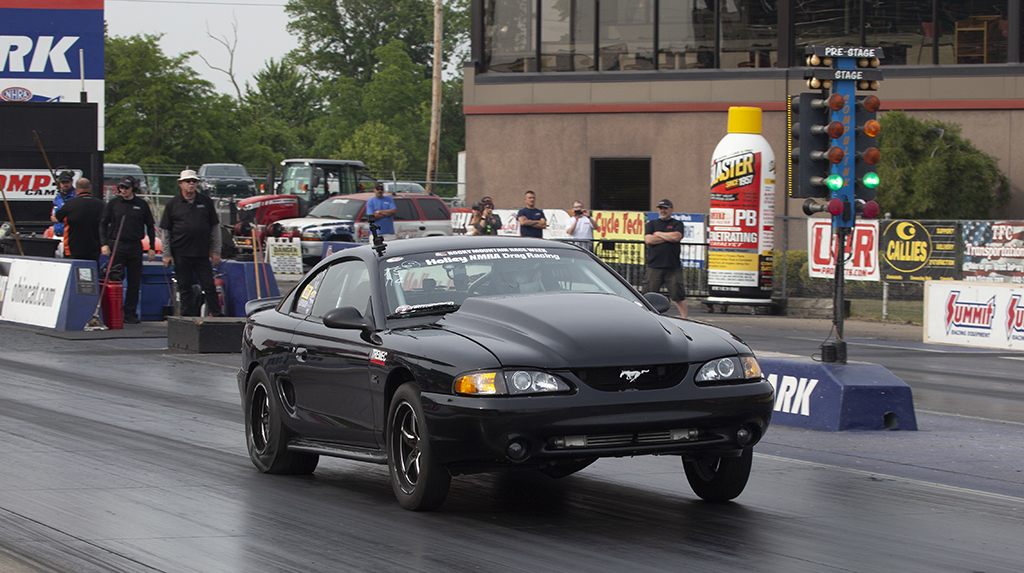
x,y
266,436
419,483
719,479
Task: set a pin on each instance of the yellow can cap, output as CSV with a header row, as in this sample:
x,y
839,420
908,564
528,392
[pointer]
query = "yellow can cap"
x,y
744,120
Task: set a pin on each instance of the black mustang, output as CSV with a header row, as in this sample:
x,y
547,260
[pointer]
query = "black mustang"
x,y
452,355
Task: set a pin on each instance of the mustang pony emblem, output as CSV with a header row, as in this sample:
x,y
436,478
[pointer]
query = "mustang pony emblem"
x,y
632,375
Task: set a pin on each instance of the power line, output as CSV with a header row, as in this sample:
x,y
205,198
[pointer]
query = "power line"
x,y
201,3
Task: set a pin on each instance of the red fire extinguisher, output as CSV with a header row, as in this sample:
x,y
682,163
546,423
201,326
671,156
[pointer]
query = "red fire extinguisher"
x,y
222,289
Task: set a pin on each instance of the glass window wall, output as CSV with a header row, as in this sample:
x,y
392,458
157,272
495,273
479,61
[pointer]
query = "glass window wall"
x,y
686,34
749,34
510,29
626,35
567,35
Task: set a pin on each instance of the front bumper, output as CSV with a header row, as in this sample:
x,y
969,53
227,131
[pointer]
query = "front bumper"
x,y
470,434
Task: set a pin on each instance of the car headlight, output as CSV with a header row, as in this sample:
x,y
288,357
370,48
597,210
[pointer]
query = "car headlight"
x,y
308,236
512,382
730,368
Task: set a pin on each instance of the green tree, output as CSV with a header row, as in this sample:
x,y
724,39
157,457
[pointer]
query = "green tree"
x,y
929,171
337,38
376,145
277,114
158,111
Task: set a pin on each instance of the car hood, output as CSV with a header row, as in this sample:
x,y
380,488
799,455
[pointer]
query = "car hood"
x,y
569,330
304,223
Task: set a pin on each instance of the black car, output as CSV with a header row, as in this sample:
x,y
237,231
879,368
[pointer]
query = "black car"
x,y
226,180
443,356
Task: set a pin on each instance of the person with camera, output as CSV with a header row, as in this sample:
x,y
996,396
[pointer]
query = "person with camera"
x,y
65,193
138,223
581,226
487,223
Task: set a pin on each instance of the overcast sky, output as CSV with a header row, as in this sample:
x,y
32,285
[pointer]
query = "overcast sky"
x,y
184,23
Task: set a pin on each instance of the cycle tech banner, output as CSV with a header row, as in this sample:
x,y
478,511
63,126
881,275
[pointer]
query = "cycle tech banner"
x,y
741,226
993,251
988,315
861,251
914,252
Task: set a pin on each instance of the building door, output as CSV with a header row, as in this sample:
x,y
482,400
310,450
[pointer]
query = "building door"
x,y
621,184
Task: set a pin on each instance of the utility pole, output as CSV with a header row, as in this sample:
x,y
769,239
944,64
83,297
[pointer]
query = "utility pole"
x,y
435,102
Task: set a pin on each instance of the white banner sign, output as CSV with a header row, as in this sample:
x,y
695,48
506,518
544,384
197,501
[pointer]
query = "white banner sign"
x,y
31,292
988,315
30,184
861,252
285,255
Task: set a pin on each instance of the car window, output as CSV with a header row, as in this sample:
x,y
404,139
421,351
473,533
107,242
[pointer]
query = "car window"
x,y
406,210
454,276
434,209
226,171
346,284
338,208
309,293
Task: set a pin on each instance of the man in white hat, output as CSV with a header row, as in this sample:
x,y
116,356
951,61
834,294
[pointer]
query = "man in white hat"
x,y
191,238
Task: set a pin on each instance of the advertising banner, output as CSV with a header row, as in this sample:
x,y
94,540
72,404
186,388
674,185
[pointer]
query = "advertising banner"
x,y
31,292
993,251
913,251
30,184
52,50
860,251
741,226
988,315
556,223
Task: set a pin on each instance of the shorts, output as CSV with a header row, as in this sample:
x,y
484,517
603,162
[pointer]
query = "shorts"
x,y
671,278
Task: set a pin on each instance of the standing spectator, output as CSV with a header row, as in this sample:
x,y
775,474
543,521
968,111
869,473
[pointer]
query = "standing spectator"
x,y
489,223
191,237
581,226
65,192
662,236
531,220
138,223
474,220
81,216
382,207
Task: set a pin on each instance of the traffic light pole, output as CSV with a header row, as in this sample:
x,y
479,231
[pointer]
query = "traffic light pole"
x,y
839,304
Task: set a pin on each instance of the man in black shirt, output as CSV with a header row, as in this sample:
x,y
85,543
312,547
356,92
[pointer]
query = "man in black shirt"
x,y
191,233
662,236
81,218
138,223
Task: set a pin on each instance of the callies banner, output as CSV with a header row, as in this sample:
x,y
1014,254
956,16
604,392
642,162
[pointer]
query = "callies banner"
x,y
912,251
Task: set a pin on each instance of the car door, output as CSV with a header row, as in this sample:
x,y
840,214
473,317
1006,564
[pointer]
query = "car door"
x,y
407,219
330,367
437,219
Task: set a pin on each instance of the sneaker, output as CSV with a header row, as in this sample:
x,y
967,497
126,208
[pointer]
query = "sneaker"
x,y
131,319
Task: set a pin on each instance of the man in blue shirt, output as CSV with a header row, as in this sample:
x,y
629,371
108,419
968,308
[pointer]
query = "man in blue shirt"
x,y
65,192
531,220
383,209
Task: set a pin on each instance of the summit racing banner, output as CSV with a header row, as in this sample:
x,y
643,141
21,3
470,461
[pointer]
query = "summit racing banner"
x,y
861,251
974,314
993,251
912,251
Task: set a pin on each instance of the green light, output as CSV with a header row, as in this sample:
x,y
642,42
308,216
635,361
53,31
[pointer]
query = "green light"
x,y
834,182
870,180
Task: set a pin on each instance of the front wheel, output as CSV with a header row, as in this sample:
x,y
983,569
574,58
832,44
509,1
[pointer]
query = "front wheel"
x,y
719,479
266,436
420,484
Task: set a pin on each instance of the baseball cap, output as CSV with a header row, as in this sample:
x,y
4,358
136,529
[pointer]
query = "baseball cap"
x,y
477,206
665,203
66,176
126,182
379,185
188,175
486,200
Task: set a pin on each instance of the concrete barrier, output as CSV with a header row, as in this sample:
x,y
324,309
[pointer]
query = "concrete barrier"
x,y
835,397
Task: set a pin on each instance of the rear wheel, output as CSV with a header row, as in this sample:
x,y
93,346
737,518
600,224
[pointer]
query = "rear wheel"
x,y
719,479
266,436
420,484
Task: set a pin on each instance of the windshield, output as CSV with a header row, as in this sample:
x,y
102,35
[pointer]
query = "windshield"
x,y
338,208
410,282
226,171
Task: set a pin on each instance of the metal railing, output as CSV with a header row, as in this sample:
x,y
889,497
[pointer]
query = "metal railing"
x,y
627,258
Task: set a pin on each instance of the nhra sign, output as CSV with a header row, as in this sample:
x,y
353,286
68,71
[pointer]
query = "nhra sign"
x,y
966,313
47,47
861,251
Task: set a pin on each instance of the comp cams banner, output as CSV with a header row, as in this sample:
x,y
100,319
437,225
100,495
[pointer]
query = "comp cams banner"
x,y
974,314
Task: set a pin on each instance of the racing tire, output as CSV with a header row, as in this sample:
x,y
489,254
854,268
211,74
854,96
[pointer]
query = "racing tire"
x,y
265,434
719,479
419,483
560,470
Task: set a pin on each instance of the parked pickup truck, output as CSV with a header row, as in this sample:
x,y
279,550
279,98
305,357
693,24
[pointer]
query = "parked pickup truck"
x,y
224,180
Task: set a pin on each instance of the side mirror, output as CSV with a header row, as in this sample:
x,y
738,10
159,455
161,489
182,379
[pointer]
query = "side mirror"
x,y
348,318
659,301
315,181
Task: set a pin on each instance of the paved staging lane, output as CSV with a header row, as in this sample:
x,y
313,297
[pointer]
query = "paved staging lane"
x,y
118,455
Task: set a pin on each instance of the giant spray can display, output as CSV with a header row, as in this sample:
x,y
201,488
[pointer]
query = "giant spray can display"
x,y
742,222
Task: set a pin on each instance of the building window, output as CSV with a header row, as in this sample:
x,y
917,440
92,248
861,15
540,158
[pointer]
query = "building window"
x,y
567,35
626,34
621,184
510,31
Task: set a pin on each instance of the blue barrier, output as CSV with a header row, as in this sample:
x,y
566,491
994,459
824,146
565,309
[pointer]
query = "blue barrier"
x,y
57,294
835,397
241,281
